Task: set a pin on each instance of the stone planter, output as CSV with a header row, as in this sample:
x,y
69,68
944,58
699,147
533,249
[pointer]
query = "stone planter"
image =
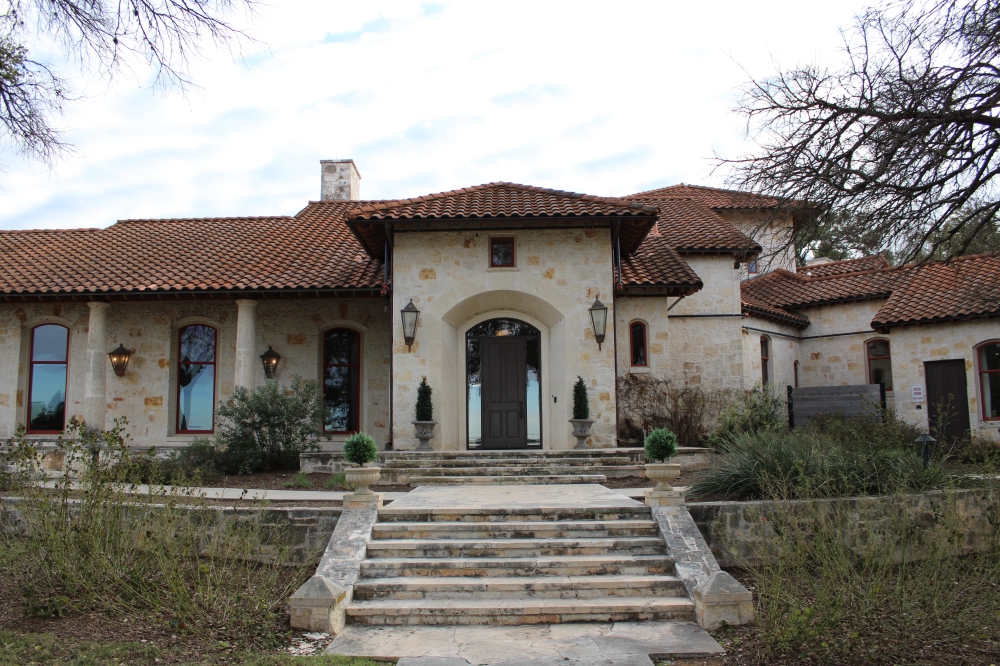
x,y
663,474
362,477
425,431
581,430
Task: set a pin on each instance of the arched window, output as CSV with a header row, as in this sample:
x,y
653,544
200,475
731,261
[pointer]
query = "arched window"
x,y
196,379
637,341
795,370
341,380
765,359
988,360
47,378
879,363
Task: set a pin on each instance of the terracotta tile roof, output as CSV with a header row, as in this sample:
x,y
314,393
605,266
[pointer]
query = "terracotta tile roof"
x,y
313,250
499,205
845,266
757,307
690,226
656,266
712,197
964,288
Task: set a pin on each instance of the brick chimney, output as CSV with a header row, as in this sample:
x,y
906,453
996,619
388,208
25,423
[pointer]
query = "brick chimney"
x,y
340,181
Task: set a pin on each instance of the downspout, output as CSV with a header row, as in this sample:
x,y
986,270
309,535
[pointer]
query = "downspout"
x,y
617,259
385,288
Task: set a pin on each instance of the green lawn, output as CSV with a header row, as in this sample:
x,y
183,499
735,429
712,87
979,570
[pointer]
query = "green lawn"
x,y
29,649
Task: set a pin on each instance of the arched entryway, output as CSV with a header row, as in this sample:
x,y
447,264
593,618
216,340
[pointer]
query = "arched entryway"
x,y
503,385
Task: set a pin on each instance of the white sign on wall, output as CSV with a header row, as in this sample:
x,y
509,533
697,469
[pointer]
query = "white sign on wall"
x,y
918,393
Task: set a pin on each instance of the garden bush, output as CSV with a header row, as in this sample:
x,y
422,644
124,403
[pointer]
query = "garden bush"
x,y
267,428
425,407
360,449
164,555
760,409
660,445
647,402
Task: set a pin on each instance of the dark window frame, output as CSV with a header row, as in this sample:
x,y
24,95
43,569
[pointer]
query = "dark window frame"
x,y
357,391
180,362
752,267
513,251
979,375
645,344
31,376
765,360
795,372
869,358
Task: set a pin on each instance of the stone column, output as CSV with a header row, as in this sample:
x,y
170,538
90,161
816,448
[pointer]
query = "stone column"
x,y
95,399
246,343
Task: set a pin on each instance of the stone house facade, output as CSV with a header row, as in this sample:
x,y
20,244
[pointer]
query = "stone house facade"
x,y
510,283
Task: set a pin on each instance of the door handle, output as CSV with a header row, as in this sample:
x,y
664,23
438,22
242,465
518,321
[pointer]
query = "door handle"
x,y
520,410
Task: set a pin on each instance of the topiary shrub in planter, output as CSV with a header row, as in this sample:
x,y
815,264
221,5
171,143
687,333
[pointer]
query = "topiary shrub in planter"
x,y
361,450
424,422
581,414
660,445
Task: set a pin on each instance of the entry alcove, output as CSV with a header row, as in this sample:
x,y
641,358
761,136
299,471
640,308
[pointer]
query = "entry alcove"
x,y
503,385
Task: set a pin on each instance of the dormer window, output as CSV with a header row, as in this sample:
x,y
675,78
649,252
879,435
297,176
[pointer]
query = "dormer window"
x,y
502,252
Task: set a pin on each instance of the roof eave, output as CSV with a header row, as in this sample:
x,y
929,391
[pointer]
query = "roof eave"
x,y
884,326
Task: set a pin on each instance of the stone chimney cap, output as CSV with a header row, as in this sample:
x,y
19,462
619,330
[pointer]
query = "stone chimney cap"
x,y
340,180
342,162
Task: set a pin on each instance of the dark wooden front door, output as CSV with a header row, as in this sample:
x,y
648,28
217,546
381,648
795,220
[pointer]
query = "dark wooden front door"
x,y
947,399
503,393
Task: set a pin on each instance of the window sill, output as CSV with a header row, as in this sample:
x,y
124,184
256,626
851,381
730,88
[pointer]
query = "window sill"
x,y
502,269
639,370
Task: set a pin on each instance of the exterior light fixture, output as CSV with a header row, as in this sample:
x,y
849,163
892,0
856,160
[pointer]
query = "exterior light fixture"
x,y
925,441
599,318
119,359
270,360
409,314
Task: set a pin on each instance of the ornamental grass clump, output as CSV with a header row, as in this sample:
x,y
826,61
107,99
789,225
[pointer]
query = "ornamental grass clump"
x,y
660,445
425,408
94,543
360,449
581,404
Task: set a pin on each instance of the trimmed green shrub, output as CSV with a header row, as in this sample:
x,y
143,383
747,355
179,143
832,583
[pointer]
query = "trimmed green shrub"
x,y
660,445
360,449
581,405
425,408
267,428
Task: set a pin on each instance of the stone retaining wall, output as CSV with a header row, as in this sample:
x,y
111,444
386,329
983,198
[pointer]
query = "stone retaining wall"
x,y
732,529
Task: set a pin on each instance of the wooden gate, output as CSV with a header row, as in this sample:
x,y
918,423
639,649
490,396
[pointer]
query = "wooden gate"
x,y
859,399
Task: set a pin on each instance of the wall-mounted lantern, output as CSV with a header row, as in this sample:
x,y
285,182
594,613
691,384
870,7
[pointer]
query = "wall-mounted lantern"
x,y
270,360
599,318
409,314
119,359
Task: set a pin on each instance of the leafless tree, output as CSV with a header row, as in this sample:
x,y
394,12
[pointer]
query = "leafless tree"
x,y
105,37
903,136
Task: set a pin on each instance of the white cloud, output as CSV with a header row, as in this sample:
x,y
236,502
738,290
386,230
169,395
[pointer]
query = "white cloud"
x,y
603,98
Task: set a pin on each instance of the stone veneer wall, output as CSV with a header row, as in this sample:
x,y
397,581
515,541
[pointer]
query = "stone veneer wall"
x,y
651,310
146,394
773,234
558,275
784,351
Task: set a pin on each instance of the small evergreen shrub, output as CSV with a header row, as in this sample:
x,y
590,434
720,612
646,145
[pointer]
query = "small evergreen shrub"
x,y
581,405
267,428
425,408
360,449
661,444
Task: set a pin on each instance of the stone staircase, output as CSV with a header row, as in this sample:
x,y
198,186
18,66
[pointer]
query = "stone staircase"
x,y
516,566
507,467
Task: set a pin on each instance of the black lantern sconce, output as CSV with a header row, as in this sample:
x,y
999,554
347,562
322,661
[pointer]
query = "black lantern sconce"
x,y
119,359
923,444
270,360
409,314
599,318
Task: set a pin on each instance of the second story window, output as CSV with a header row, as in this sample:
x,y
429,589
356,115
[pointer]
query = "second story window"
x,y
502,252
752,266
637,333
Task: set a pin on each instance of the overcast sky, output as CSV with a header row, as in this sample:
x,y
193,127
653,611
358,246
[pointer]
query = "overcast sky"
x,y
606,98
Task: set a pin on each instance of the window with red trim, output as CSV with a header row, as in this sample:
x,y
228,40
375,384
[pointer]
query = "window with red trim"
x,y
765,359
637,339
502,252
47,378
879,363
988,360
752,266
196,379
341,380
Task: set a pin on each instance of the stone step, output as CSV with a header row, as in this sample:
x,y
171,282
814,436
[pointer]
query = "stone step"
x,y
518,611
515,530
581,565
519,470
514,514
479,463
506,453
514,547
544,479
509,587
